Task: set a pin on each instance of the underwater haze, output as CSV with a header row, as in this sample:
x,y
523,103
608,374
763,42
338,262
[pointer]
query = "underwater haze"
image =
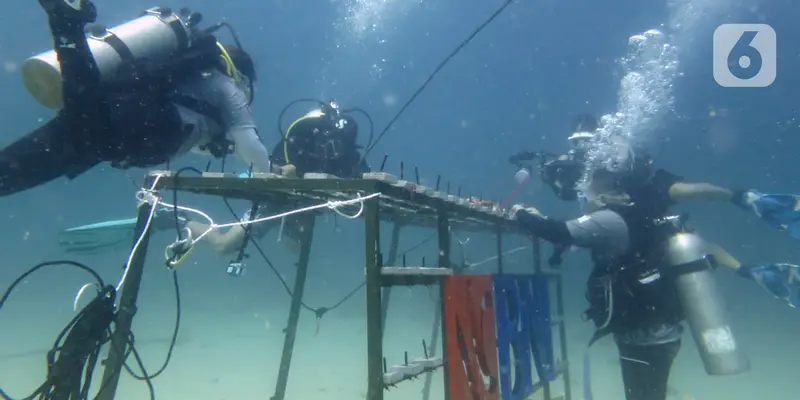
x,y
643,68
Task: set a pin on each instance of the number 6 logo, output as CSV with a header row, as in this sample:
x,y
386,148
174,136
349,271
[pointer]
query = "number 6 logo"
x,y
745,55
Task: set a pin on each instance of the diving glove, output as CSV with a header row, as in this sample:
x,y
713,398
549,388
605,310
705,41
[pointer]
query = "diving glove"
x,y
744,199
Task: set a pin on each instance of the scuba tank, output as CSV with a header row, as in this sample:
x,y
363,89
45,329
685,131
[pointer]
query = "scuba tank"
x,y
157,36
685,259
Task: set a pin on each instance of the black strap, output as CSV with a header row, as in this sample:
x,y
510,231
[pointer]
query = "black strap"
x,y
122,49
247,233
599,334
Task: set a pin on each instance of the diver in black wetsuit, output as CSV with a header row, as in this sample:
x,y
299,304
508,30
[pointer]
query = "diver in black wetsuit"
x,y
322,141
649,275
563,172
145,115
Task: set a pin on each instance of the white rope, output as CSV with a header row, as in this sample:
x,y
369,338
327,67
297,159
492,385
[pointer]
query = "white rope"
x,y
151,197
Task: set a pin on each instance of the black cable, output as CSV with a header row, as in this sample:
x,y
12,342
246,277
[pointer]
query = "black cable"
x,y
361,111
268,261
286,108
145,376
320,311
74,355
433,75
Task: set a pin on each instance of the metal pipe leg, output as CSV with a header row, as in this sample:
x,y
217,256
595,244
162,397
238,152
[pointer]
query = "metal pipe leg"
x,y
294,310
435,333
392,261
499,245
127,309
443,233
374,320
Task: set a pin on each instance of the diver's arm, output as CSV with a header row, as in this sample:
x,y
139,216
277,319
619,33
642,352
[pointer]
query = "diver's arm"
x,y
226,242
549,229
681,192
671,189
601,229
241,127
232,240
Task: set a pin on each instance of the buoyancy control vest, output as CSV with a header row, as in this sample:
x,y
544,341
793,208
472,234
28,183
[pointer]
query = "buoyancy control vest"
x,y
152,88
627,292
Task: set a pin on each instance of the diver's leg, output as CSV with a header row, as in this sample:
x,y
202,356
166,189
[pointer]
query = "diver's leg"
x,y
81,77
41,156
645,369
86,107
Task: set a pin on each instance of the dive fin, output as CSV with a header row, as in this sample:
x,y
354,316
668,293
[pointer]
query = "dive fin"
x,y
781,211
781,279
99,237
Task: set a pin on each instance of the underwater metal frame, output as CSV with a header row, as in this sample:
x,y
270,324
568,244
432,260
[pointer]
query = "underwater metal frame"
x,y
399,202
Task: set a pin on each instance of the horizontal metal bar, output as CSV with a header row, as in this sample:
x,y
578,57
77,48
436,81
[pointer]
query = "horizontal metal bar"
x,y
410,204
416,271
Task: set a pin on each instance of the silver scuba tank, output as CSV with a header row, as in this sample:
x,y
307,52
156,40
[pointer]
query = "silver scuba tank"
x,y
686,260
157,35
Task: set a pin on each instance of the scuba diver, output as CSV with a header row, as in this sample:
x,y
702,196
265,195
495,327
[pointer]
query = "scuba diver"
x,y
660,189
137,95
650,273
560,172
563,174
324,140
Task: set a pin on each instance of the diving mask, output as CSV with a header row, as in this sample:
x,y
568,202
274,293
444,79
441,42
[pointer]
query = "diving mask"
x,y
580,140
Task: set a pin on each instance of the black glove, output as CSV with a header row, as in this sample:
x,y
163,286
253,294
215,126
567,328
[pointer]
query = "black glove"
x,y
739,199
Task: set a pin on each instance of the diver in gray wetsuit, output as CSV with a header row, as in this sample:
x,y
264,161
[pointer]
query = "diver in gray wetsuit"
x,y
147,115
649,275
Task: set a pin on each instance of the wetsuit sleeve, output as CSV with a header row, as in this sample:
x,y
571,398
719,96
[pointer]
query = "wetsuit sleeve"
x,y
549,229
602,229
660,184
240,124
